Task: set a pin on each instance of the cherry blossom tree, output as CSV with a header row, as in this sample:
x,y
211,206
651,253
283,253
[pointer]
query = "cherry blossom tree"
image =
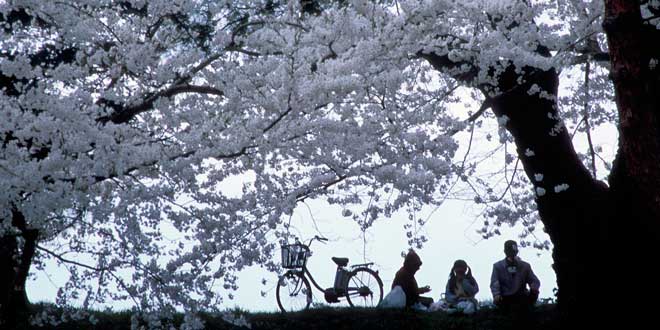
x,y
122,118
126,122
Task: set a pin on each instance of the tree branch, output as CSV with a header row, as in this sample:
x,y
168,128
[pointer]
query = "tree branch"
x,y
120,282
586,117
443,64
124,114
484,106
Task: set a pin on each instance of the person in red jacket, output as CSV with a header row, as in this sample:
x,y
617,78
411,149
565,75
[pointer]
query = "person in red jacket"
x,y
405,278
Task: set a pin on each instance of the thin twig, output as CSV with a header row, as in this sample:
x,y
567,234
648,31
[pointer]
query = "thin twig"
x,y
586,117
120,282
508,186
469,148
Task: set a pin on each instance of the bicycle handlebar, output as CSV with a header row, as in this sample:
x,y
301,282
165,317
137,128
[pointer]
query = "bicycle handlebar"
x,y
318,238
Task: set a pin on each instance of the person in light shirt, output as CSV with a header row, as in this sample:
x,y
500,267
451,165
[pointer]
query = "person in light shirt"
x,y
510,280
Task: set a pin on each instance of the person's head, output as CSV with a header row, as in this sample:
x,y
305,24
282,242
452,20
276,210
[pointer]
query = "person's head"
x,y
510,249
459,271
412,262
460,268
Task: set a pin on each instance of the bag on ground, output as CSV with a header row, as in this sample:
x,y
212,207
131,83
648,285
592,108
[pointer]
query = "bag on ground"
x,y
395,299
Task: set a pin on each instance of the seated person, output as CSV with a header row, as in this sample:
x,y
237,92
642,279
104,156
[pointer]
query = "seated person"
x,y
405,278
510,279
461,288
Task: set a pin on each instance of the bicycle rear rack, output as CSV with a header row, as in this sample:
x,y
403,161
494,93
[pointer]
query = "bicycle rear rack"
x,y
363,265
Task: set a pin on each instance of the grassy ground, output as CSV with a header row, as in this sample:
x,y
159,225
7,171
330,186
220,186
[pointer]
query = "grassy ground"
x,y
543,318
102,320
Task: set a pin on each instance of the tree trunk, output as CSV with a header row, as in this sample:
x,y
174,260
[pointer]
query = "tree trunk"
x,y
16,255
602,236
635,178
7,277
633,48
576,219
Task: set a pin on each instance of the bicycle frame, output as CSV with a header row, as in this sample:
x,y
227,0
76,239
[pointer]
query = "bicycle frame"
x,y
305,271
307,274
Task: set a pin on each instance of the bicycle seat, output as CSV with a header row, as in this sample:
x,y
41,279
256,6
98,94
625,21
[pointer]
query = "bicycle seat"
x,y
341,262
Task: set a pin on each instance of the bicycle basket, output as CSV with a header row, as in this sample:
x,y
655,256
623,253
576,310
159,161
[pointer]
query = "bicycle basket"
x,y
294,255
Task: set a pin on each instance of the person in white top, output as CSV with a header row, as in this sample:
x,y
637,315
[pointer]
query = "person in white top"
x,y
510,279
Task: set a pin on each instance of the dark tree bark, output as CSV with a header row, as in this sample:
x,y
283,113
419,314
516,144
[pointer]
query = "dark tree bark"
x,y
601,235
8,248
16,255
576,219
634,46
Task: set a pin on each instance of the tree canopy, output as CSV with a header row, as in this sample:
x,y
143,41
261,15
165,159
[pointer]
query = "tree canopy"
x,y
127,123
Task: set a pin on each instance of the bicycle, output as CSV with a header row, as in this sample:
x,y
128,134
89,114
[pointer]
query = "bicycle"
x,y
359,284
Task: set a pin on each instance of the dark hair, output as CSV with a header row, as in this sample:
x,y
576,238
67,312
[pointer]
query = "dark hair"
x,y
459,263
510,248
509,244
452,276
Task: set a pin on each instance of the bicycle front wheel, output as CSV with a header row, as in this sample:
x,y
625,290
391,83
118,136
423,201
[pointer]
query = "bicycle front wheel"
x,y
364,289
293,292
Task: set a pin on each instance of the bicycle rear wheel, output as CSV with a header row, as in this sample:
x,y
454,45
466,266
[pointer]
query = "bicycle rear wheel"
x,y
365,288
293,292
